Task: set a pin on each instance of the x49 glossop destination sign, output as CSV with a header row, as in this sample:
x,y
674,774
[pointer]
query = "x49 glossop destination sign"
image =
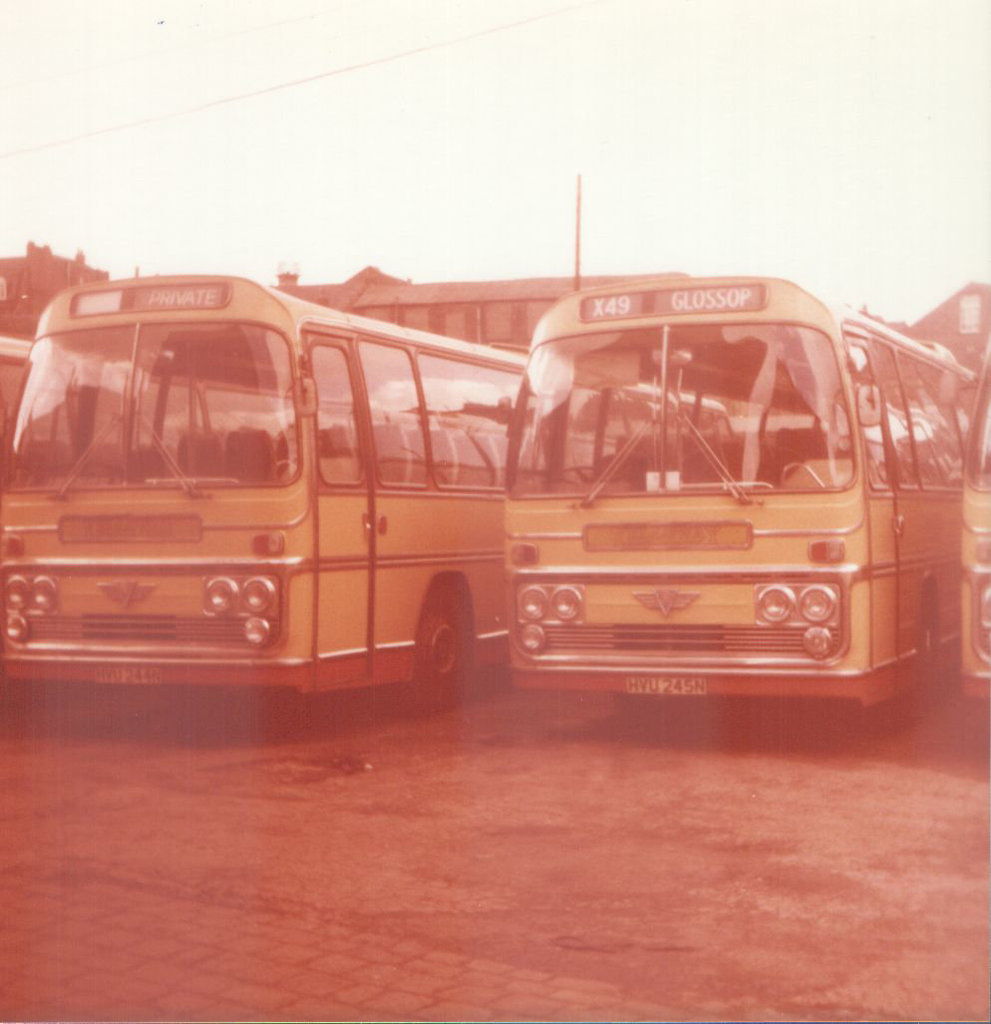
x,y
736,298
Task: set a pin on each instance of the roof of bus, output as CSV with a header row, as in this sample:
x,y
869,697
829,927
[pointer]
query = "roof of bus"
x,y
266,304
801,304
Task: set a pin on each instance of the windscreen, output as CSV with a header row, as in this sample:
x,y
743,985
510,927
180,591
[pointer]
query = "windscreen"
x,y
165,404
756,406
979,469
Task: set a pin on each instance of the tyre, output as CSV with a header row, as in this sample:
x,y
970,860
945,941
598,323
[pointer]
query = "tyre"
x,y
443,657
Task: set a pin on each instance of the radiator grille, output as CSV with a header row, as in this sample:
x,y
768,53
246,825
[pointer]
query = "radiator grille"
x,y
149,629
684,639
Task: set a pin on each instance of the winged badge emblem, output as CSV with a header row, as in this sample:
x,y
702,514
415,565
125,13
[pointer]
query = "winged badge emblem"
x,y
126,592
665,599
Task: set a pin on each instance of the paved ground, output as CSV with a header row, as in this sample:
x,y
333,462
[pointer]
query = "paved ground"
x,y
193,855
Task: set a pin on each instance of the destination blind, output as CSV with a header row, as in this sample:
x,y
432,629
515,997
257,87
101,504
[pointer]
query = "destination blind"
x,y
737,298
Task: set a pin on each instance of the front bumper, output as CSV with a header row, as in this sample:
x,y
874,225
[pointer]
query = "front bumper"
x,y
682,682
295,674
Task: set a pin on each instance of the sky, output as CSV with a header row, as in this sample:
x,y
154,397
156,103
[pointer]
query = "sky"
x,y
845,144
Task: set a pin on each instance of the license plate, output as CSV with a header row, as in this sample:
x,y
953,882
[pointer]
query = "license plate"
x,y
128,674
684,686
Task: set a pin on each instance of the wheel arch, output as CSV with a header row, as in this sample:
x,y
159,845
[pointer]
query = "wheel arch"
x,y
454,585
929,602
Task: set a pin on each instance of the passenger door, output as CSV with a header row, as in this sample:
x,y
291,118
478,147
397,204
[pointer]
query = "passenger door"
x,y
907,523
934,528
882,513
404,517
344,509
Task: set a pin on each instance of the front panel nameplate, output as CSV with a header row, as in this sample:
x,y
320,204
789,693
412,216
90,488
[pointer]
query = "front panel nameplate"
x,y
668,536
95,529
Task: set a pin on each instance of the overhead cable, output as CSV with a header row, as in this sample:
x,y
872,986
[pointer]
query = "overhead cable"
x,y
332,73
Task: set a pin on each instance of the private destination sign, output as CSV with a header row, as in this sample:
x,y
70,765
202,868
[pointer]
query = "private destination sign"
x,y
735,298
195,295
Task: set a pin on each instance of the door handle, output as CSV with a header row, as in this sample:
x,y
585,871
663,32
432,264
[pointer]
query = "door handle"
x,y
898,525
381,524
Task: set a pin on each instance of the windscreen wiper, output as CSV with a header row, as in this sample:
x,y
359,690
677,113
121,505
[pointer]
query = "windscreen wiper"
x,y
715,461
185,482
614,463
77,466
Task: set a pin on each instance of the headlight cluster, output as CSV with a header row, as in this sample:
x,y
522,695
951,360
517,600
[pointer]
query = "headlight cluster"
x,y
983,631
39,593
536,604
25,594
255,599
815,606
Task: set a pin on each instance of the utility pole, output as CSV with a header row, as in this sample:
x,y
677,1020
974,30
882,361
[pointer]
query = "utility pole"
x,y
578,236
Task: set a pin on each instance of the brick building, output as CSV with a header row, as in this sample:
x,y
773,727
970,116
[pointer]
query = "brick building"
x,y
962,323
28,283
501,313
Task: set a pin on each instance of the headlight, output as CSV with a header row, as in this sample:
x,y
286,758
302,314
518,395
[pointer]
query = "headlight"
x,y
258,594
818,641
17,592
44,593
533,603
220,595
817,603
257,631
775,604
532,638
17,628
566,602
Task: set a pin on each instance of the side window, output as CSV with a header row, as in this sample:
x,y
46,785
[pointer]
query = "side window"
x,y
397,425
898,424
338,453
936,440
468,410
876,456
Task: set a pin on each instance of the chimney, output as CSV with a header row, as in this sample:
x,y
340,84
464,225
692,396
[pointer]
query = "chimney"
x,y
288,274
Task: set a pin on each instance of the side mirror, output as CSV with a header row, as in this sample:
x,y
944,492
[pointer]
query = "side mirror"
x,y
305,396
868,405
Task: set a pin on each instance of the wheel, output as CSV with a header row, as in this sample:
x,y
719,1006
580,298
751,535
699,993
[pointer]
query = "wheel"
x,y
442,660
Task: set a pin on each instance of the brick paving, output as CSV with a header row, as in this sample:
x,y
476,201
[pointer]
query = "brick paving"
x,y
84,950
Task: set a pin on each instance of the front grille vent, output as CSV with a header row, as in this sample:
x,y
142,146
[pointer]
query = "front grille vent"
x,y
682,639
145,629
